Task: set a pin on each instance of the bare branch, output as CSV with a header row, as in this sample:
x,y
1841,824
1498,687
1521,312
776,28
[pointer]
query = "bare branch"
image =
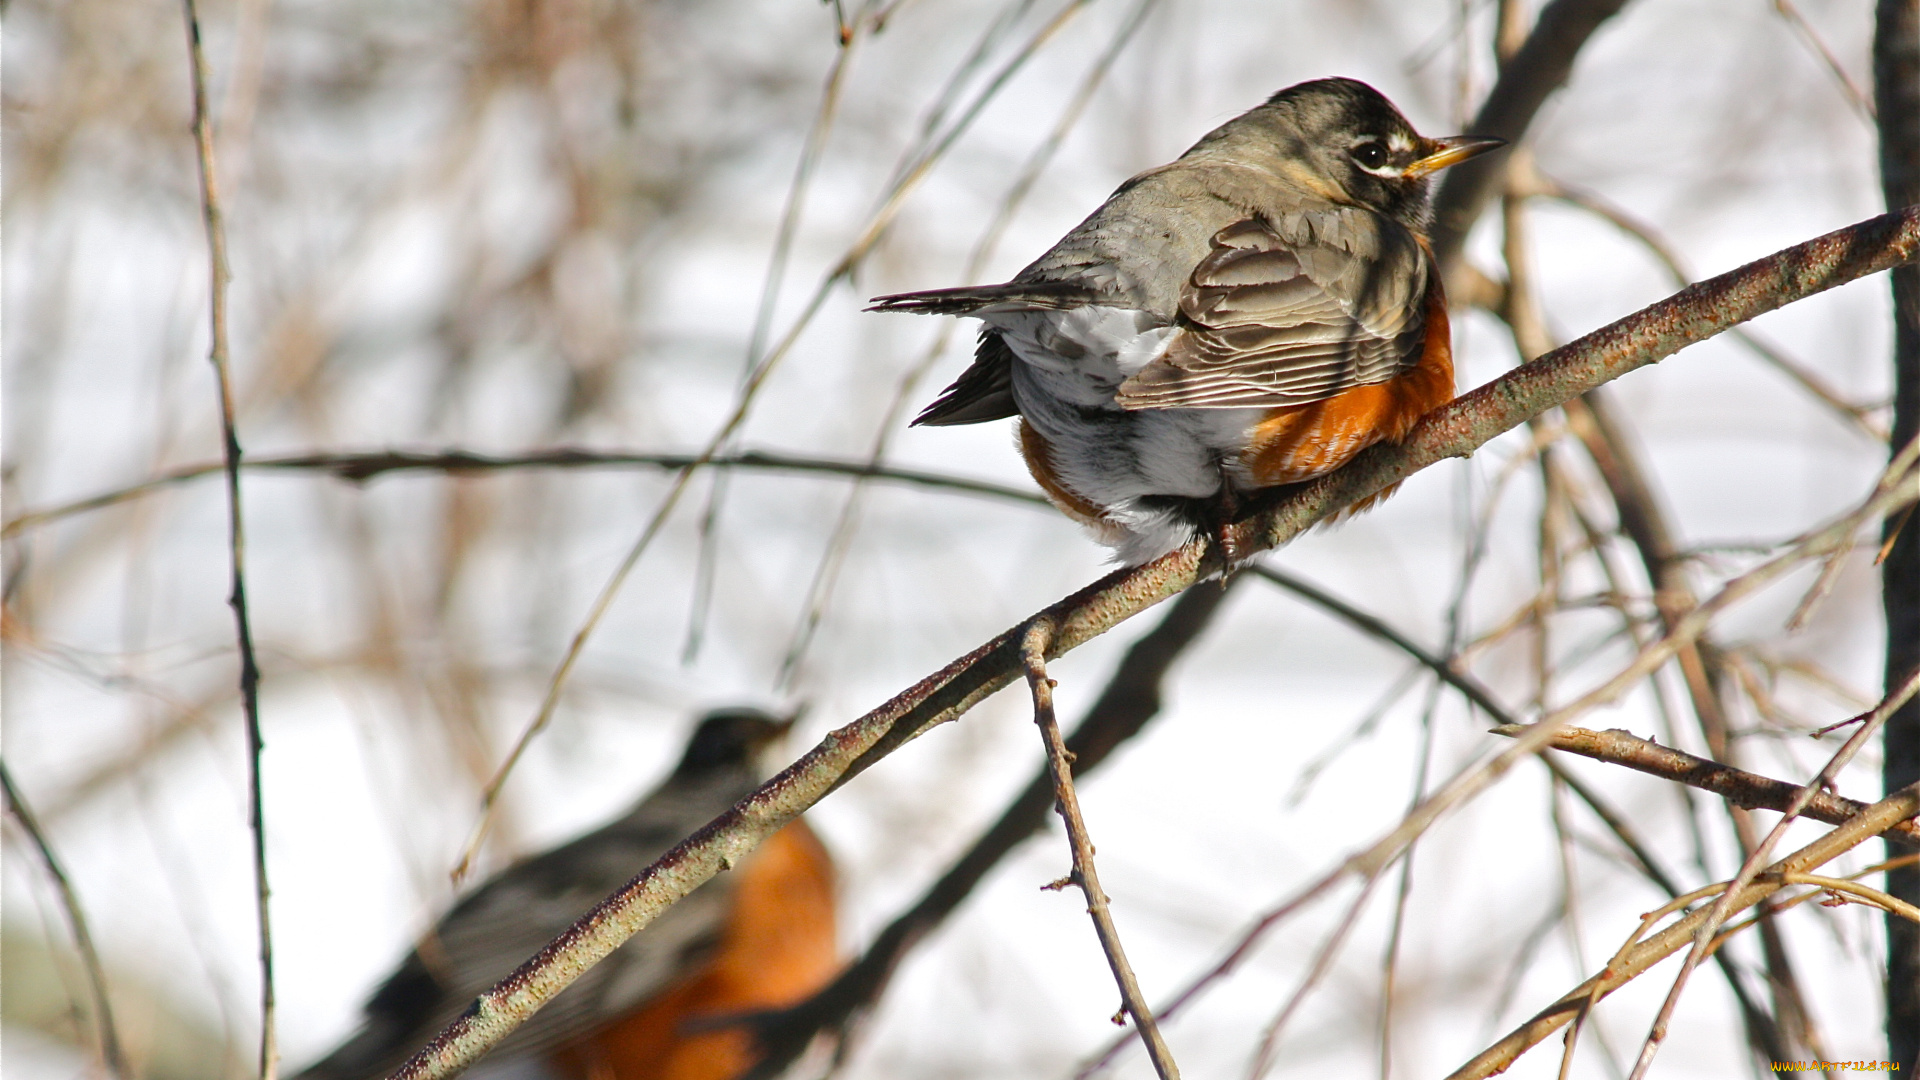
x,y
1750,790
1643,520
827,572
1539,68
1896,89
218,276
366,465
1033,649
1859,417
1894,490
110,1052
1130,701
1704,935
1875,819
1757,1020
909,178
1263,1055
1805,31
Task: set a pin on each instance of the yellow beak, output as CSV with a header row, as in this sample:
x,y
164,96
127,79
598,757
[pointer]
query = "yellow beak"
x,y
1451,151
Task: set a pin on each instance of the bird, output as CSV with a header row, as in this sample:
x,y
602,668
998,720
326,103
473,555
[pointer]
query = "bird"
x,y
759,938
1248,316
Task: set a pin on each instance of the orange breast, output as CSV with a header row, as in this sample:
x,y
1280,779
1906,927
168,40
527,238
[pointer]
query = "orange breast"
x,y
1301,442
778,947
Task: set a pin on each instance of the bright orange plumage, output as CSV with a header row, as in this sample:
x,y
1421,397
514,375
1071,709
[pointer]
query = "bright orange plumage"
x,y
776,949
759,937
1301,442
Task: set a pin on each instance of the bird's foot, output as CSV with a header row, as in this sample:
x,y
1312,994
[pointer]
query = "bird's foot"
x,y
1222,510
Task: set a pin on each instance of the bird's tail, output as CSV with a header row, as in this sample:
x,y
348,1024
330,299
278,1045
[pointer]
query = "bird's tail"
x,y
978,299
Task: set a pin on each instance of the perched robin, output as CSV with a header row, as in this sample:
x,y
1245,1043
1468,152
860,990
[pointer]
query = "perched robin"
x,y
1251,315
760,937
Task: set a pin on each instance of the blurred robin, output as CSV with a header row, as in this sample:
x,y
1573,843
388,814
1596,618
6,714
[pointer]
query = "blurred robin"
x,y
1251,315
760,937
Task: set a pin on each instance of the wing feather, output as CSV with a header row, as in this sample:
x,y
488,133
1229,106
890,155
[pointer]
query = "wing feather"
x,y
1290,312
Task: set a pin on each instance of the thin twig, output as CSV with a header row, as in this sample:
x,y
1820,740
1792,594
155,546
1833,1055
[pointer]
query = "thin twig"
x,y
707,562
1474,692
1639,512
1130,701
1703,937
744,401
1390,965
914,167
706,567
1855,416
1864,894
1742,788
1033,656
1850,89
1538,68
360,466
1899,806
840,541
1469,782
218,275
110,1052
1263,1055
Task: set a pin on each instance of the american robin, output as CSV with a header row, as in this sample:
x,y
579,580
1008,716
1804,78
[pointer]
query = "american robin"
x,y
760,937
1251,315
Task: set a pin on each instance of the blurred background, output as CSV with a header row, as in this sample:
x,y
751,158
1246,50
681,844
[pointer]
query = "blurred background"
x,y
502,226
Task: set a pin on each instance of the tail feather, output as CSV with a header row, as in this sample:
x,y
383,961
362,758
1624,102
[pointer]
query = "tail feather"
x,y
982,393
973,299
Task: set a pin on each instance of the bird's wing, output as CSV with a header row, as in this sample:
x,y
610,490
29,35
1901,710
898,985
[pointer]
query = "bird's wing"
x,y
983,392
503,925
1291,311
505,922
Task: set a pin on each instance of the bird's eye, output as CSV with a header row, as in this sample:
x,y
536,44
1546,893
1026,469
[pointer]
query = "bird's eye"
x,y
1370,155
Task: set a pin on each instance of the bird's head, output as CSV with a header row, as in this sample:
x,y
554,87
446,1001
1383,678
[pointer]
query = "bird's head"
x,y
732,738
1344,141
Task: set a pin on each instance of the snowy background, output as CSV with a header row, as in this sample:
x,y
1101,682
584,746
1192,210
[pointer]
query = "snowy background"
x,y
508,224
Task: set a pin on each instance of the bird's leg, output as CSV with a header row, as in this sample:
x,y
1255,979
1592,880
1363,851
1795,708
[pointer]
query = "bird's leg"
x,y
1222,509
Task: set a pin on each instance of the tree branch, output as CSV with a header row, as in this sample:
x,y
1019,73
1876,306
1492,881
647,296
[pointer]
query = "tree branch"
x,y
1704,936
361,466
218,275
1872,821
1130,701
1896,81
110,1052
1742,788
1538,69
1033,650
1455,430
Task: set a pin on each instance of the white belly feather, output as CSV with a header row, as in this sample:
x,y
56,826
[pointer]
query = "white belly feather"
x,y
1070,365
